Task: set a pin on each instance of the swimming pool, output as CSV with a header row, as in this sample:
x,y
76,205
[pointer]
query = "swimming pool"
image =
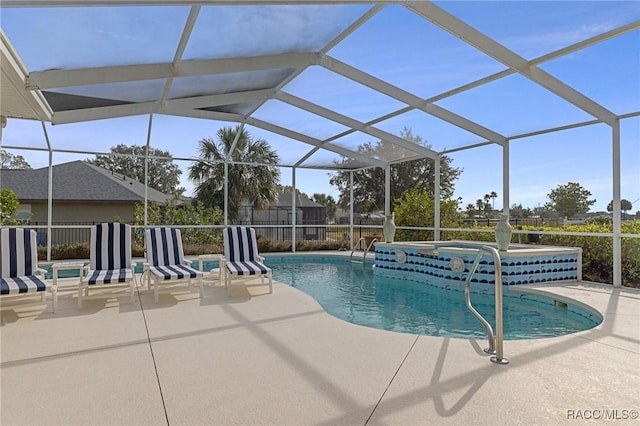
x,y
351,292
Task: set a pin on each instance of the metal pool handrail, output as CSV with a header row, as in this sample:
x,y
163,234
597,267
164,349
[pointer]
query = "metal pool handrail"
x,y
364,257
495,340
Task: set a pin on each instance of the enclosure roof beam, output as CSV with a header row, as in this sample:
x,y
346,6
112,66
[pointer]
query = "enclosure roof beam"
x,y
100,113
509,58
354,124
17,102
313,141
410,99
118,74
539,60
184,38
167,107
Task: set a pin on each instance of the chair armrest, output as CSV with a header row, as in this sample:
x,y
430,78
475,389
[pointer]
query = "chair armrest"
x,y
40,271
188,262
261,258
212,256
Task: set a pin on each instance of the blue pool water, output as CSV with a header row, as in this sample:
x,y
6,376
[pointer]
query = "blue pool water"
x,y
350,291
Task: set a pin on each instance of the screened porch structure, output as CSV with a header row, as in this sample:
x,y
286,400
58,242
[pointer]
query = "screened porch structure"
x,y
319,78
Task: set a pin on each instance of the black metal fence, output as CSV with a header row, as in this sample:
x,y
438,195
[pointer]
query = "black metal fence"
x,y
71,233
514,221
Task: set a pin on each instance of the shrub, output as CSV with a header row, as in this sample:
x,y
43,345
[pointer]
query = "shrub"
x,y
8,206
176,212
62,252
597,257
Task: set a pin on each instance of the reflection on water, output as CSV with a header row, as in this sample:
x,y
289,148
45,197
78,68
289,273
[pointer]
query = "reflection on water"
x,y
351,292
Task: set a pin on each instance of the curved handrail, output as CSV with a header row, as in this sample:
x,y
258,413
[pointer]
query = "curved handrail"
x,y
364,256
467,300
354,248
498,338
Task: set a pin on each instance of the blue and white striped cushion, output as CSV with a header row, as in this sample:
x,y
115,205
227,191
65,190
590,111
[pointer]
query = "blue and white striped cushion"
x,y
26,284
240,244
18,252
250,267
110,246
110,276
174,272
164,246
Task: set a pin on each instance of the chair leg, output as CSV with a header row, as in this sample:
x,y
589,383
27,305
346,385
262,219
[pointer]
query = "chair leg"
x,y
43,296
80,294
155,289
270,283
201,287
148,279
54,298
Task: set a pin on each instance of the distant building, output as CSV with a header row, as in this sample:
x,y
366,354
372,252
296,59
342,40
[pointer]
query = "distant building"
x,y
343,217
82,194
308,213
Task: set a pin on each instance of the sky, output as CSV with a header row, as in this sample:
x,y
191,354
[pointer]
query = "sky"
x,y
396,46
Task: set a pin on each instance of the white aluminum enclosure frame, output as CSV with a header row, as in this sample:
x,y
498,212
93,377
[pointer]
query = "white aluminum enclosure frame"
x,y
24,98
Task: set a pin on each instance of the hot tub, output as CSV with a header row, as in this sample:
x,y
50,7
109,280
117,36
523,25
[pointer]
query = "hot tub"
x,y
447,263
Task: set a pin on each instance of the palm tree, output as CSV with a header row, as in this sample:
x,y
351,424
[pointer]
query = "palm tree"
x,y
470,210
493,197
247,182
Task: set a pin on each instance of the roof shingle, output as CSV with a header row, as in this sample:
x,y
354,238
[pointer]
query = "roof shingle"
x,y
77,181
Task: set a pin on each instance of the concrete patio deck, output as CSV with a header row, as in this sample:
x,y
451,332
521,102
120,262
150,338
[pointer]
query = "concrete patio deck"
x,y
253,358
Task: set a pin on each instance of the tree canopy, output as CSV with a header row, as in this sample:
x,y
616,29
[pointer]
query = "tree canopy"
x,y
11,161
569,200
517,210
164,175
329,202
246,182
625,205
368,184
416,207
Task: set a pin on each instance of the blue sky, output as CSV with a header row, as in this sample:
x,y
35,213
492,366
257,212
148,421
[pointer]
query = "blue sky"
x,y
396,46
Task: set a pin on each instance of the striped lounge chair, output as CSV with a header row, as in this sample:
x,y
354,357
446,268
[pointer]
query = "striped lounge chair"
x,y
19,272
165,259
110,263
241,257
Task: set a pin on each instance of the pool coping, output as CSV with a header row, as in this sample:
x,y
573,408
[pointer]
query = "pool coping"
x,y
253,358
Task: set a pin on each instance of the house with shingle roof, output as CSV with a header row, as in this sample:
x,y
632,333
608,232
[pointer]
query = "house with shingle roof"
x,y
82,194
